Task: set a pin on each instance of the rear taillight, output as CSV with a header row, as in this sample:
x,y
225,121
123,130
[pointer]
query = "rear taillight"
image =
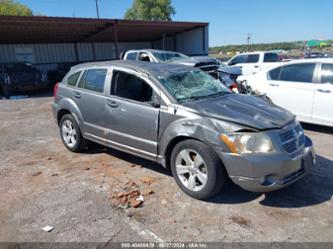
x,y
55,90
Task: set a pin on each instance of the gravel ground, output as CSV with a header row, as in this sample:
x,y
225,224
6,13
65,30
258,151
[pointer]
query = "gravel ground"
x,y
42,183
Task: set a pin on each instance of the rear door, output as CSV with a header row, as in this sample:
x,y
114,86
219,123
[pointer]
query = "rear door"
x,y
292,87
89,97
252,65
323,98
132,120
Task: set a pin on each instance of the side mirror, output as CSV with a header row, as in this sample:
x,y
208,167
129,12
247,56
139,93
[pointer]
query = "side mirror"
x,y
156,101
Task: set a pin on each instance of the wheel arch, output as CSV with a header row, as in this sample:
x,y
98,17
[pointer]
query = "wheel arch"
x,y
68,106
171,145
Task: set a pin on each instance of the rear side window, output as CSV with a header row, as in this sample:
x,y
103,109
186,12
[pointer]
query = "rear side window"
x,y
274,74
271,57
252,58
327,73
71,81
129,86
298,72
131,56
93,80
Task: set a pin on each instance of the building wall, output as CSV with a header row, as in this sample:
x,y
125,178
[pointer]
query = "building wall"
x,y
65,52
194,42
46,56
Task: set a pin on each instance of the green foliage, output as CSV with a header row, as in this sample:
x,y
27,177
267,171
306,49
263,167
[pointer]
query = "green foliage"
x,y
151,10
259,47
13,8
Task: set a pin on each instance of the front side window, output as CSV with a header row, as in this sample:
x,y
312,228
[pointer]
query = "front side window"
x,y
274,74
192,85
93,80
253,58
298,72
129,86
327,73
71,81
131,56
239,59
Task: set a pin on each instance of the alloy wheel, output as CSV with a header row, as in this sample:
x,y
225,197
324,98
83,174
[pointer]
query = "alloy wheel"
x,y
191,169
69,133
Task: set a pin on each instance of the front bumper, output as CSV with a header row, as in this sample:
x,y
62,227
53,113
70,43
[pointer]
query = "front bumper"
x,y
268,172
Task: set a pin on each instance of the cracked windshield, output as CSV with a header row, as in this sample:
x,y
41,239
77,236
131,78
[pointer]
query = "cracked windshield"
x,y
193,85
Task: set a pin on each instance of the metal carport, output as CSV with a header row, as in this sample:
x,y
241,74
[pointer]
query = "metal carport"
x,y
62,39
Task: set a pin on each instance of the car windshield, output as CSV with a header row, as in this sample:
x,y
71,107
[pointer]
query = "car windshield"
x,y
193,85
169,56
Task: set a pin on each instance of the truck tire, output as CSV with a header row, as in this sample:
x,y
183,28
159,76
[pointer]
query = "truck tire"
x,y
197,169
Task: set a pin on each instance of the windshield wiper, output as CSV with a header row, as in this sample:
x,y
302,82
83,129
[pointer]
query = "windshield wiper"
x,y
216,94
192,98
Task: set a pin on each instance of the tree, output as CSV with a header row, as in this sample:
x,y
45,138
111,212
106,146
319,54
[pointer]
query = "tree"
x,y
151,10
13,8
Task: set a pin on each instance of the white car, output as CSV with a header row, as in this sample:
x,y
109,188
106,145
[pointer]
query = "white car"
x,y
304,87
254,62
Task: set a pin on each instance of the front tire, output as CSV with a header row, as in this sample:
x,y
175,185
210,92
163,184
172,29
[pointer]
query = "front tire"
x,y
70,134
197,169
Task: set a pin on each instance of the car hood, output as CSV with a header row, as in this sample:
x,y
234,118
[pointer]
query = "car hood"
x,y
251,111
195,61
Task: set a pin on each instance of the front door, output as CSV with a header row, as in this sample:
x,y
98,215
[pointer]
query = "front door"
x,y
293,89
132,120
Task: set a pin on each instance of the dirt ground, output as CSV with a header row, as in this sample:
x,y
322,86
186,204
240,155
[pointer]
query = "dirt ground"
x,y
42,183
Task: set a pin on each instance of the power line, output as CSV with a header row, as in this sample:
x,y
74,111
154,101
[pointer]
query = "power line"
x,y
97,9
248,39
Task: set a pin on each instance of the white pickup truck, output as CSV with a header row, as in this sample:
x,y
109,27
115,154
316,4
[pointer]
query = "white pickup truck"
x,y
253,62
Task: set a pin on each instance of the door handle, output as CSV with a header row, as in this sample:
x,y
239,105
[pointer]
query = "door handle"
x,y
112,104
256,66
271,84
323,91
77,95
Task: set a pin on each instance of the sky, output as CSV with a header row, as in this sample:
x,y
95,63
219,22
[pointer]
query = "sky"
x,y
230,20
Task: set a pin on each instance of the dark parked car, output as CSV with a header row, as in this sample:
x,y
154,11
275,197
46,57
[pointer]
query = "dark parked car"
x,y
58,74
20,77
185,120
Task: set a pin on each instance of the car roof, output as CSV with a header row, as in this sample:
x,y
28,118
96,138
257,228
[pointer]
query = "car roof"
x,y
314,60
150,50
258,52
154,69
299,61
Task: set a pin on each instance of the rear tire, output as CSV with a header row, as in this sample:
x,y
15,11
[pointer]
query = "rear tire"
x,y
197,169
70,134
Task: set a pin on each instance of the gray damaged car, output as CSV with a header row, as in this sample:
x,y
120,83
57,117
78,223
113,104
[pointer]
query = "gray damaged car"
x,y
185,120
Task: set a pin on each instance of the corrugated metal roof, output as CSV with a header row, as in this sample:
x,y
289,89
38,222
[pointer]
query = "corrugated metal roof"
x,y
37,29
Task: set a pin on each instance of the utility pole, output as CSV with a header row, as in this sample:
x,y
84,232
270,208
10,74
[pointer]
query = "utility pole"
x,y
97,10
248,39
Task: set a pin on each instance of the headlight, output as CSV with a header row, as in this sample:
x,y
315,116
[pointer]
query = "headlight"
x,y
247,142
